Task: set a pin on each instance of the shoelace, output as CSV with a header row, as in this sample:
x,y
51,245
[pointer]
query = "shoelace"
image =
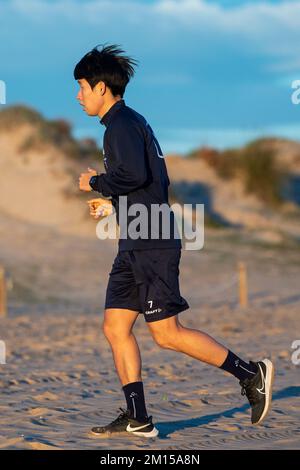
x,y
121,416
249,391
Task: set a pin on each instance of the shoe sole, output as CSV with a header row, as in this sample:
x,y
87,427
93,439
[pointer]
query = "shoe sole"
x,y
270,371
152,433
108,433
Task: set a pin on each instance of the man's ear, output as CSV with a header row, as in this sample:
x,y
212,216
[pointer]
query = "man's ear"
x,y
100,88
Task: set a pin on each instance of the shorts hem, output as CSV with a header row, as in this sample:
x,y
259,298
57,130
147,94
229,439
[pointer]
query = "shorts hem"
x,y
125,307
168,315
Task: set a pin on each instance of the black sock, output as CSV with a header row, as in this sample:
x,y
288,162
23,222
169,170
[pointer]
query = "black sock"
x,y
134,394
237,367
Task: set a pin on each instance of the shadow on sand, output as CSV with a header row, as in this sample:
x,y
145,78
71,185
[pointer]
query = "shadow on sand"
x,y
167,428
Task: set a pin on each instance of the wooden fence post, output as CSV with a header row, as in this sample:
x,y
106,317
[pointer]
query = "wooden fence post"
x,y
2,293
243,284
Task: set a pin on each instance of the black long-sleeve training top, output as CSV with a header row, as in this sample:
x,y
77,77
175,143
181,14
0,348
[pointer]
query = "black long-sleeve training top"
x,y
136,173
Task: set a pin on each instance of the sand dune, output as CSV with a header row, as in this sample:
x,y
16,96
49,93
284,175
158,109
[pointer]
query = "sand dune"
x,y
59,378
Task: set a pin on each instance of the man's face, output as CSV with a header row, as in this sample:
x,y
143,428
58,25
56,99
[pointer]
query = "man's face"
x,y
91,100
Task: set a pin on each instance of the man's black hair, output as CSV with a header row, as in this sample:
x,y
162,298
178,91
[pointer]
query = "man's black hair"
x,y
107,65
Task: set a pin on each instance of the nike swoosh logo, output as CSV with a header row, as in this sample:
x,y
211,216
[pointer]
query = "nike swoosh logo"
x,y
129,428
260,390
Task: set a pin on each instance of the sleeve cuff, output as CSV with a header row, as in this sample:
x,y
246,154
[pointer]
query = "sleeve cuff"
x,y
94,182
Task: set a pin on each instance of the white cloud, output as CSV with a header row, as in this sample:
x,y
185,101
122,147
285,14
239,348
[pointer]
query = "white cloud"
x,y
255,27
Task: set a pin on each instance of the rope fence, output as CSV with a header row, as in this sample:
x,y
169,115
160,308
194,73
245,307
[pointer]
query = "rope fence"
x,y
238,284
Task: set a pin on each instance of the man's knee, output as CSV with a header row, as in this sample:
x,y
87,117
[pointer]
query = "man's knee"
x,y
111,331
105,328
167,339
115,330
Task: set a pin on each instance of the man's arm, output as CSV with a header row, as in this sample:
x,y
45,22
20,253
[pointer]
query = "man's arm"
x,y
128,146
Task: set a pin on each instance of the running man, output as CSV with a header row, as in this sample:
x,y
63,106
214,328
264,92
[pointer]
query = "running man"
x,y
145,273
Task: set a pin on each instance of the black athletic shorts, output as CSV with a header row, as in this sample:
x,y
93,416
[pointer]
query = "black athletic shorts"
x,y
146,281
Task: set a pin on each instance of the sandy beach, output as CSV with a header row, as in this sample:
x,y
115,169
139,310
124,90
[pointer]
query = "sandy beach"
x,y
59,378
209,125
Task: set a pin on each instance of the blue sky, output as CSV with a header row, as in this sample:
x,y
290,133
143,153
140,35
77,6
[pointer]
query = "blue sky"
x,y
212,72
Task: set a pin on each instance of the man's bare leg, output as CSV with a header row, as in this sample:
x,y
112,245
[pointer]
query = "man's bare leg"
x,y
256,378
117,327
169,333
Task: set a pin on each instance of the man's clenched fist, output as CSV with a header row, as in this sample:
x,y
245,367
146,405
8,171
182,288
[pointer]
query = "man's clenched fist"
x,y
100,207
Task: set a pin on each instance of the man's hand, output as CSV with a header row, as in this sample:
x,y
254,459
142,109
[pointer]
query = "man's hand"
x,y
85,178
100,207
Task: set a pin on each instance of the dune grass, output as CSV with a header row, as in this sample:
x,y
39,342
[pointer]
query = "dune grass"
x,y
255,164
57,132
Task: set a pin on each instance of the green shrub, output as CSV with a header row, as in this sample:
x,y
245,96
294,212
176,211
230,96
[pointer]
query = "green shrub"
x,y
255,164
55,132
261,173
14,116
